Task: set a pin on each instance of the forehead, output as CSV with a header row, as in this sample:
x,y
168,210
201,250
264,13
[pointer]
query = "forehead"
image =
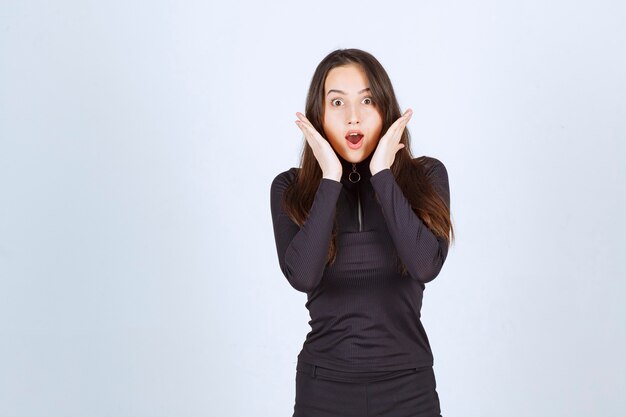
x,y
349,78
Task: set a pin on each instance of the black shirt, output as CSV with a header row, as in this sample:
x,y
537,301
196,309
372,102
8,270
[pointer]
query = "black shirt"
x,y
364,314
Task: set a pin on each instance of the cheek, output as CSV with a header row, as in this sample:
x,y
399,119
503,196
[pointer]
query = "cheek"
x,y
374,144
326,126
376,122
376,127
331,126
379,120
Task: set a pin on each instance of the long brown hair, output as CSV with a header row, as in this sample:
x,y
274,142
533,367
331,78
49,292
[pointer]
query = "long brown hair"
x,y
410,173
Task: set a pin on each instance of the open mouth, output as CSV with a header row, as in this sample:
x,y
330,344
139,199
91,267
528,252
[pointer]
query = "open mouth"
x,y
355,139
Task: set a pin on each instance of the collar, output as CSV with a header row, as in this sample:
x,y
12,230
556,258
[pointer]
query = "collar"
x,y
363,168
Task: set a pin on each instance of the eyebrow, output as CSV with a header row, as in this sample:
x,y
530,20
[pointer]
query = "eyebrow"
x,y
343,92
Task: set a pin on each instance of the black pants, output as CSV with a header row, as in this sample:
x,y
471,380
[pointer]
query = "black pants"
x,y
322,392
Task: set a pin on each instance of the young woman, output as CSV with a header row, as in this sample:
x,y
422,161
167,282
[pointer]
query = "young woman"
x,y
360,227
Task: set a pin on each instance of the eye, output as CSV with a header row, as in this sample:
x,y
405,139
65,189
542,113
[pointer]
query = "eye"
x,y
366,100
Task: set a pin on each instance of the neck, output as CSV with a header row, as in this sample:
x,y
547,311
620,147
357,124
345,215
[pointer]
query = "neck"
x,y
362,167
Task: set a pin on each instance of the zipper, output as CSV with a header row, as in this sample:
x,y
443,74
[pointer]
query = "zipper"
x,y
360,211
354,178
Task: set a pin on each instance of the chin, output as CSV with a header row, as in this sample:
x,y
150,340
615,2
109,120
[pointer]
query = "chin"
x,y
352,158
355,157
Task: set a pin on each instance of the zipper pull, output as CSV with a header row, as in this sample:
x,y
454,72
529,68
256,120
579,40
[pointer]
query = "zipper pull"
x,y
354,176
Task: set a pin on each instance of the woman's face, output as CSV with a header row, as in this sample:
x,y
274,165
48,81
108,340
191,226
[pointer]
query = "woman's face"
x,y
348,107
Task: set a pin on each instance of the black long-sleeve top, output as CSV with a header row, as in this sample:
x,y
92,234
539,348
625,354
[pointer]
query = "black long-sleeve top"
x,y
365,315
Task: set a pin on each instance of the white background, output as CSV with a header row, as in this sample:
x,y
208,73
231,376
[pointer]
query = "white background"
x,y
138,142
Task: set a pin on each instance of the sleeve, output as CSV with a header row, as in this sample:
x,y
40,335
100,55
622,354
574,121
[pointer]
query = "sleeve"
x,y
420,250
302,251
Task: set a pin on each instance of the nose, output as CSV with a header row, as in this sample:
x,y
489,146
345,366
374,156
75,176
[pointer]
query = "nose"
x,y
354,117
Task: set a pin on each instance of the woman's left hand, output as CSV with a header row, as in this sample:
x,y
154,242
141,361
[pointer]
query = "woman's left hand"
x,y
389,144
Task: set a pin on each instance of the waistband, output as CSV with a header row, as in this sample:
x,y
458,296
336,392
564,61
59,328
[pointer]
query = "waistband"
x,y
316,371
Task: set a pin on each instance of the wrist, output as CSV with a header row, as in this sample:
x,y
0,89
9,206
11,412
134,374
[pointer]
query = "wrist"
x,y
332,176
376,170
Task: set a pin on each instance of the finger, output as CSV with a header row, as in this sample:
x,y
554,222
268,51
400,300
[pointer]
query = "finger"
x,y
315,135
398,127
302,124
303,128
399,121
405,122
307,128
303,118
308,134
397,135
392,131
406,116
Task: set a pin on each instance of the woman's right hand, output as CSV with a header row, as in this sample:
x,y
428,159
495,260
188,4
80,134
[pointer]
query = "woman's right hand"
x,y
323,151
